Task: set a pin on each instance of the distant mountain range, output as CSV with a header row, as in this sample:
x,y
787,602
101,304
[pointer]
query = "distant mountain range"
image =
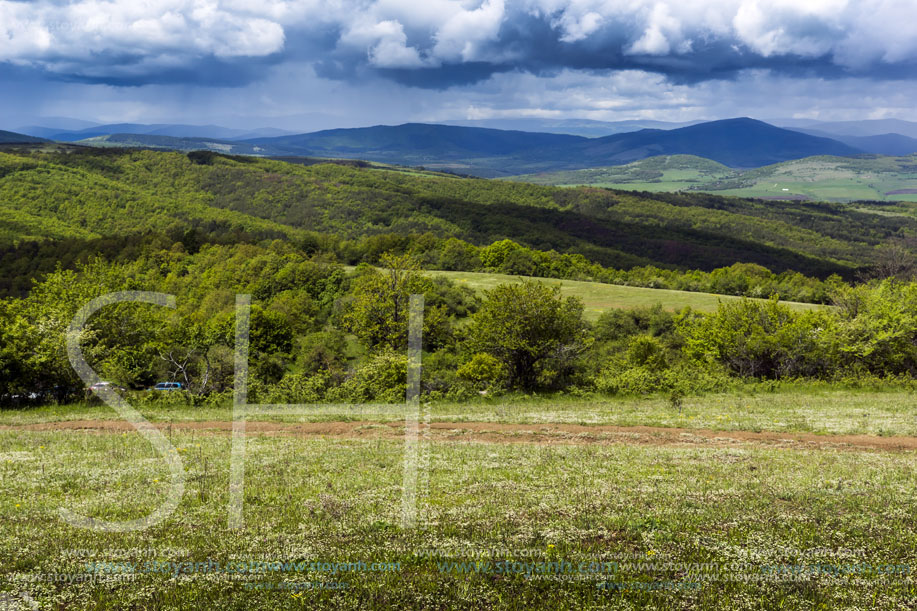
x,y
741,143
576,127
14,138
879,144
488,152
869,127
162,129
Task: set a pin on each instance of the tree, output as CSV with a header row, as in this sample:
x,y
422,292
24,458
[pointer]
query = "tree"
x,y
379,312
525,325
763,339
895,259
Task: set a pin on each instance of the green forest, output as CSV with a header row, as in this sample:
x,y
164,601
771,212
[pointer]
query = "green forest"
x,y
330,252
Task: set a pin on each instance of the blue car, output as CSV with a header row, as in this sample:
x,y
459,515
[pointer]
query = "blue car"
x,y
168,386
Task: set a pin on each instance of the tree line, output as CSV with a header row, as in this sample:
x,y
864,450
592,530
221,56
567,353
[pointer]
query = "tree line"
x,y
322,332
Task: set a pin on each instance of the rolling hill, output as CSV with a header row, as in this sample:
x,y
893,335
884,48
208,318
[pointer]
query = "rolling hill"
x,y
170,143
868,127
14,138
417,142
894,145
84,194
575,127
825,178
160,129
738,143
733,142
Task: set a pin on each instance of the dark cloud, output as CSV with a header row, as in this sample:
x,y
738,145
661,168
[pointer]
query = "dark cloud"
x,y
444,77
203,72
444,57
534,43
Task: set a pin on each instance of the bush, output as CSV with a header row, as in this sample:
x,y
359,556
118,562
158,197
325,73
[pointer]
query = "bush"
x,y
618,324
531,329
297,388
483,371
646,351
763,340
382,378
680,380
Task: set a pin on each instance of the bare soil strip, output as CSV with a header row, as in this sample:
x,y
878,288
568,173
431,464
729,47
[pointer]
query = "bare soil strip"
x,y
495,432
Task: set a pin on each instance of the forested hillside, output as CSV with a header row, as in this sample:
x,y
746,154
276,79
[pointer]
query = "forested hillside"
x,y
107,201
78,222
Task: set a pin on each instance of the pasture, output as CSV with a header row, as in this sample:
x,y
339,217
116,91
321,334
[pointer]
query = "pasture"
x,y
757,499
598,297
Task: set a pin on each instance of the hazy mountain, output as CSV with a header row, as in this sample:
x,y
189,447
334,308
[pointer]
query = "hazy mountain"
x,y
162,129
576,127
743,143
871,127
171,143
14,138
416,142
54,125
487,152
894,145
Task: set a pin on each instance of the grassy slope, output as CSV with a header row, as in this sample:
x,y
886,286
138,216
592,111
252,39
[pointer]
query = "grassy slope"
x,y
662,173
598,297
820,178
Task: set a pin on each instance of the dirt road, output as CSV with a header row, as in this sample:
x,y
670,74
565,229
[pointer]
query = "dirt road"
x,y
492,432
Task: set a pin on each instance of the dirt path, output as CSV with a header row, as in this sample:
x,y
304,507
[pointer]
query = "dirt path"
x,y
494,432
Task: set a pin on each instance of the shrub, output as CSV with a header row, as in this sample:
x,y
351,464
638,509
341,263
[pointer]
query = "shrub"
x,y
297,388
646,351
484,371
382,378
530,328
681,380
618,324
763,339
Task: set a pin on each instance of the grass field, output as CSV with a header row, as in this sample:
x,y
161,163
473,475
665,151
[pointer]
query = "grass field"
x,y
543,515
598,297
872,177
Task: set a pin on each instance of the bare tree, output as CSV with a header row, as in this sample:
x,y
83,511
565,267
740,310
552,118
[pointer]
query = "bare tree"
x,y
896,259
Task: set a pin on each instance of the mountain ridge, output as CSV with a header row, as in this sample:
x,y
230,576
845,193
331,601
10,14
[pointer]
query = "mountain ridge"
x,y
740,142
490,153
15,138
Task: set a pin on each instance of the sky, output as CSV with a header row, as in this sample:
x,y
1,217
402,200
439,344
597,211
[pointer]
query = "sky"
x,y
307,64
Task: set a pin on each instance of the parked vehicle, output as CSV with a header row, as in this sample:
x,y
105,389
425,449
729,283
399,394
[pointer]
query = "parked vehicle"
x,y
169,386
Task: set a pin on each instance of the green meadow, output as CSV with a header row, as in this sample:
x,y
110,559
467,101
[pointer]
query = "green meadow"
x,y
533,519
598,297
870,177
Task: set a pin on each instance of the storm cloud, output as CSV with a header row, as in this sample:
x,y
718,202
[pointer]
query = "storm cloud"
x,y
438,43
444,56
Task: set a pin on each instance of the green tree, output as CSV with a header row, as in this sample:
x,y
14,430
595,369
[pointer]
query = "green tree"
x,y
379,311
525,325
763,339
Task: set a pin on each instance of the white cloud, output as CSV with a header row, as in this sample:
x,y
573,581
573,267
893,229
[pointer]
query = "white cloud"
x,y
462,36
83,30
117,37
386,44
661,30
